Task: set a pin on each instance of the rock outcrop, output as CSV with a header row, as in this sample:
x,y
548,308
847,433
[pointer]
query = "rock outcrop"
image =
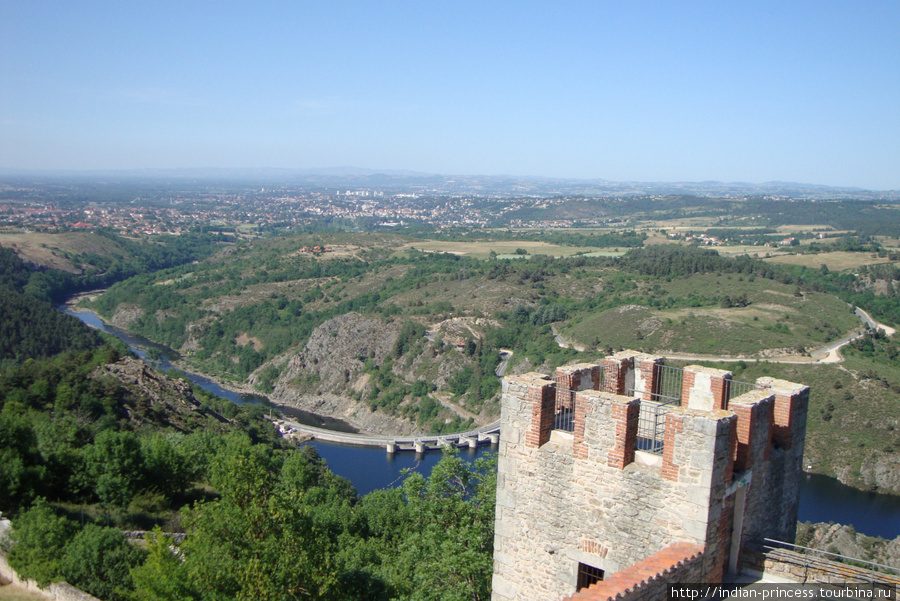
x,y
320,377
149,396
328,375
845,540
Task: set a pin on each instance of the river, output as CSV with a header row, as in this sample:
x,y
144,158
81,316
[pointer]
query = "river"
x,y
822,499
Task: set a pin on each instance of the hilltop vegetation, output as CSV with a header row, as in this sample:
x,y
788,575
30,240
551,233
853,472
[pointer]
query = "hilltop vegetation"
x,y
393,338
375,330
93,444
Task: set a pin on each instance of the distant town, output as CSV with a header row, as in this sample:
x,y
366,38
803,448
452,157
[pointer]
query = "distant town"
x,y
247,207
30,209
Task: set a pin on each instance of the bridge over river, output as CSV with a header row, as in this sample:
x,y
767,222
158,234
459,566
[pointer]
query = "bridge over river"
x,y
487,434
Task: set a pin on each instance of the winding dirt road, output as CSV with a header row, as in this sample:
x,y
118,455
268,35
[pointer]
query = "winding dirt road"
x,y
827,354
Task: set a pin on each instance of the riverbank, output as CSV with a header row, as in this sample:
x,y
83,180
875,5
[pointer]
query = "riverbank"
x,y
822,498
72,306
235,393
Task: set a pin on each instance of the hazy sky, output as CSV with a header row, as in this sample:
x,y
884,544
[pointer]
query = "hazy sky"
x,y
621,90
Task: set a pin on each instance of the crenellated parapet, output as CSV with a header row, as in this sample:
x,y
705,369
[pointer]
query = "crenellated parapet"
x,y
581,492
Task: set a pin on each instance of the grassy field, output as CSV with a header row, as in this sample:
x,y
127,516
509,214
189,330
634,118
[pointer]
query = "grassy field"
x,y
774,319
482,249
789,229
54,250
836,261
749,250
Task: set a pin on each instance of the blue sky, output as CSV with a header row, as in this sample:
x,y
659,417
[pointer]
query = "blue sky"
x,y
648,91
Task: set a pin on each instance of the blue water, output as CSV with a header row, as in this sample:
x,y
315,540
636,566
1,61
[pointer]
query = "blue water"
x,y
822,499
140,346
373,469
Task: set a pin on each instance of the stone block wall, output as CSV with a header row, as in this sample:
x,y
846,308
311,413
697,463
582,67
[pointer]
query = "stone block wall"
x,y
785,465
796,567
565,498
57,591
648,579
572,378
568,500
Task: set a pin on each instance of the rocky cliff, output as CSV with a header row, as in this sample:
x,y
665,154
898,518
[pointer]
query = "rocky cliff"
x,y
845,540
146,395
332,372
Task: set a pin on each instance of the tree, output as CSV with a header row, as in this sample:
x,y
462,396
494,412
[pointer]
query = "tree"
x,y
21,469
257,541
446,552
99,560
38,537
116,463
167,468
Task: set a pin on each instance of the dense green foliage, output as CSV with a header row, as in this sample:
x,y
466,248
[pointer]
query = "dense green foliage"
x,y
262,521
283,526
29,325
31,328
596,239
69,436
130,258
49,548
262,299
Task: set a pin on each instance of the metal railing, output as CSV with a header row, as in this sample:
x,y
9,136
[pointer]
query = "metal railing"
x,y
652,425
736,389
564,414
770,545
669,381
654,405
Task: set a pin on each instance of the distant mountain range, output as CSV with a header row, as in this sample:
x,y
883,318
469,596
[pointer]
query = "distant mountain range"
x,y
438,184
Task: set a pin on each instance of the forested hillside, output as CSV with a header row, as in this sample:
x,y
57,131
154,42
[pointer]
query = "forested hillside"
x,y
395,339
29,326
378,330
93,443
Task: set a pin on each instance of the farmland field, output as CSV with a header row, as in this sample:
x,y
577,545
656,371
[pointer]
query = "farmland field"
x,y
482,249
836,261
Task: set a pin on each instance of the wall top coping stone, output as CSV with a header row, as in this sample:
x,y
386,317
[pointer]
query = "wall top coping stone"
x,y
753,397
721,373
715,414
781,386
532,378
628,354
573,367
606,396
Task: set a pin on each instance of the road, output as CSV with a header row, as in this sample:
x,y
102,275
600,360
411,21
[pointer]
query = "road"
x,y
482,433
827,354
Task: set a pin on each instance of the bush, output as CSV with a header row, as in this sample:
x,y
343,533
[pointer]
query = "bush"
x,y
99,560
39,536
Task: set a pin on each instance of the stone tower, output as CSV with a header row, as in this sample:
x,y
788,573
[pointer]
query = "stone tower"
x,y
632,471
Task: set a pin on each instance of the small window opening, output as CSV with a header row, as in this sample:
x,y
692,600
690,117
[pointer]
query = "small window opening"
x,y
588,575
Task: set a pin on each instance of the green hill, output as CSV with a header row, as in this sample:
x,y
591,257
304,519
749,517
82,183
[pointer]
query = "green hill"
x,y
420,353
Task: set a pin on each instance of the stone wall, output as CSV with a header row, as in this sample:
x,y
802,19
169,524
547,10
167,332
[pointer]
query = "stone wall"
x,y
796,567
587,496
566,500
58,591
648,580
